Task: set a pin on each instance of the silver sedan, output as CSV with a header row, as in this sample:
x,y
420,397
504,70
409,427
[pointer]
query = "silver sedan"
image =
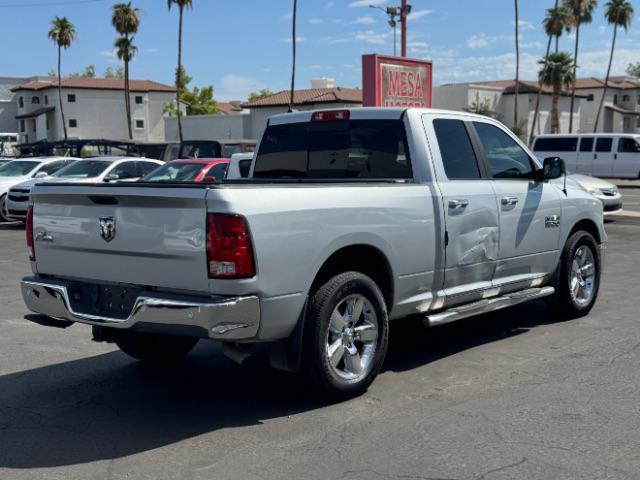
x,y
604,191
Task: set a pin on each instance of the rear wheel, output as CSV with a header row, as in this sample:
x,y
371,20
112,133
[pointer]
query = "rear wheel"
x,y
156,348
346,338
3,209
578,279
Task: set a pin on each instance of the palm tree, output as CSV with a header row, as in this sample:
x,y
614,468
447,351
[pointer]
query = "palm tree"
x,y
557,21
293,65
557,71
517,89
182,4
126,50
126,21
63,33
619,14
581,12
553,28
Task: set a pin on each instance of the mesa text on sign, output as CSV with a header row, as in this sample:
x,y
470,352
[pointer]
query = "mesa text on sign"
x,y
404,86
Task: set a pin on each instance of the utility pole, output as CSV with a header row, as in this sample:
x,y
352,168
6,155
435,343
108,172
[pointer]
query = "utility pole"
x,y
402,12
405,10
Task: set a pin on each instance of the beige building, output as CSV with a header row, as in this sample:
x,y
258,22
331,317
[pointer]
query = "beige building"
x,y
621,111
93,108
499,97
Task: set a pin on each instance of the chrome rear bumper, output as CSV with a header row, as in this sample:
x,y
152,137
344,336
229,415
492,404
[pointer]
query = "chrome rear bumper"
x,y
219,318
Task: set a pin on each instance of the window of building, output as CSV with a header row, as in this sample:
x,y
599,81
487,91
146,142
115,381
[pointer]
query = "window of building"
x,y
139,124
23,126
46,99
556,144
638,99
345,149
507,160
458,157
33,125
48,124
626,123
615,99
586,144
73,123
35,100
71,98
604,144
138,100
638,122
21,102
628,145
626,98
590,97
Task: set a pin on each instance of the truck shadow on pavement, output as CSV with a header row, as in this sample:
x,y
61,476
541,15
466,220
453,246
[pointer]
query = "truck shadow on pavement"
x,y
108,406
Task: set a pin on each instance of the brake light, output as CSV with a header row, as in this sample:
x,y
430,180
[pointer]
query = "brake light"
x,y
330,116
29,231
229,249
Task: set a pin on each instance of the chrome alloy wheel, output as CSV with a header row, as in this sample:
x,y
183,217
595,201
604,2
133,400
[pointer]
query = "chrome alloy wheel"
x,y
352,338
583,276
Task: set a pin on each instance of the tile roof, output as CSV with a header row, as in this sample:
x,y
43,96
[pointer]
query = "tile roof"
x,y
309,96
230,107
524,86
624,111
594,82
98,84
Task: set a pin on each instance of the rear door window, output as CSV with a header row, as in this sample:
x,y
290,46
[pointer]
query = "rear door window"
x,y
586,144
604,144
456,150
126,170
351,149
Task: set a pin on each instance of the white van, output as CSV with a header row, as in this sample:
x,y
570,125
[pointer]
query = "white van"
x,y
601,155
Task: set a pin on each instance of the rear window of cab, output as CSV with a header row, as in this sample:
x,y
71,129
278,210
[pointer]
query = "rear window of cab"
x,y
342,149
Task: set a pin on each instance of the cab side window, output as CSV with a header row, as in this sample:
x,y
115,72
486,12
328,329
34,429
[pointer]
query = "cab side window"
x,y
456,150
506,159
628,145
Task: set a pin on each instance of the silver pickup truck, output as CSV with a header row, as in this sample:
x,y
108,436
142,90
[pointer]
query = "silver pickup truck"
x,y
349,219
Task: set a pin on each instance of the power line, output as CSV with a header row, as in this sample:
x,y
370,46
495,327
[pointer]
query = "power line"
x,y
47,4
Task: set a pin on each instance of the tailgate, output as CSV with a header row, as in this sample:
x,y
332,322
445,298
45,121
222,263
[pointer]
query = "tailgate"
x,y
141,235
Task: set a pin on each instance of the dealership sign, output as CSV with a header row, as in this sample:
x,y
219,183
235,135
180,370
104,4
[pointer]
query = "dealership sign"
x,y
395,81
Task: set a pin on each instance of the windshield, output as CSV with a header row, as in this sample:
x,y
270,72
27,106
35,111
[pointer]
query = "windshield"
x,y
175,172
83,169
190,149
18,168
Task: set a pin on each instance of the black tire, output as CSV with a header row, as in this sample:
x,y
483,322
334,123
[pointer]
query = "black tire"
x,y
156,348
3,216
565,302
317,371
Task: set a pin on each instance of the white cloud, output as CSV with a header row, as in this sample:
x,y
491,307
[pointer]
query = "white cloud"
x,y
109,53
364,20
375,38
315,21
478,41
287,16
418,14
523,24
320,67
527,45
298,39
366,3
329,4
237,87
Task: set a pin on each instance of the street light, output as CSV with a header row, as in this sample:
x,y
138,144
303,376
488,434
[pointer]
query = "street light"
x,y
392,12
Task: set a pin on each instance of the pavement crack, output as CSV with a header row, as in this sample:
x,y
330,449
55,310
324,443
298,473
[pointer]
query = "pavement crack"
x,y
391,475
504,467
626,352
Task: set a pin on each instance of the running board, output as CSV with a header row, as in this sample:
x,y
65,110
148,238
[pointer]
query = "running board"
x,y
487,305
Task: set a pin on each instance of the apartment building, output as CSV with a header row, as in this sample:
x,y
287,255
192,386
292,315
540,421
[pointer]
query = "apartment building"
x,y
93,108
621,111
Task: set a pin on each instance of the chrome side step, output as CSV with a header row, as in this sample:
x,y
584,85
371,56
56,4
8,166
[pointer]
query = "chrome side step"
x,y
487,305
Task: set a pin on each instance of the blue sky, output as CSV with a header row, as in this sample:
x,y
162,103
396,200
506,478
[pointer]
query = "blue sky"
x,y
244,45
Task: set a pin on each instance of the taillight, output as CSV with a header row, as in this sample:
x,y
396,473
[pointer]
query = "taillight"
x,y
330,116
229,249
29,230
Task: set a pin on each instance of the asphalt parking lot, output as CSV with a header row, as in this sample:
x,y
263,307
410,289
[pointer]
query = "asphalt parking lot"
x,y
514,394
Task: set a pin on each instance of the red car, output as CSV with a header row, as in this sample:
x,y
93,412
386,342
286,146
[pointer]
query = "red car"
x,y
207,170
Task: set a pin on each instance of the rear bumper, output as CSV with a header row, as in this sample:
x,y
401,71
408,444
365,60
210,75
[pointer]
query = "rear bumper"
x,y
218,318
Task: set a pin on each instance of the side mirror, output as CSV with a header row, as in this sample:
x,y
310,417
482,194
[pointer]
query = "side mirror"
x,y
553,167
112,177
41,175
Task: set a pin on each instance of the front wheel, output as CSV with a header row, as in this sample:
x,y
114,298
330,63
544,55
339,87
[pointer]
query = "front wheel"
x,y
346,338
3,209
156,348
578,277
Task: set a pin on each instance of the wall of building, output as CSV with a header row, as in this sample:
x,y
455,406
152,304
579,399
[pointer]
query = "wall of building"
x,y
8,112
208,127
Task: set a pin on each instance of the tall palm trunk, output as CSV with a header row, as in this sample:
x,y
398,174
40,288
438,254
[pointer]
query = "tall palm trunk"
x,y
293,65
606,80
179,75
555,124
536,112
575,68
517,89
127,94
64,124
557,40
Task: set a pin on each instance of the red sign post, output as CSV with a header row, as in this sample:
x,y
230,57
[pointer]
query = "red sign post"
x,y
396,81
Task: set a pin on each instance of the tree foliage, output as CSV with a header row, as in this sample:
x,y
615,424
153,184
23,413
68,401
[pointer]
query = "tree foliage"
x,y
199,101
633,69
262,93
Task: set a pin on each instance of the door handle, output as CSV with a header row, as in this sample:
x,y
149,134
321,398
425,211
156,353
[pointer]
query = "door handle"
x,y
506,201
458,204
595,156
